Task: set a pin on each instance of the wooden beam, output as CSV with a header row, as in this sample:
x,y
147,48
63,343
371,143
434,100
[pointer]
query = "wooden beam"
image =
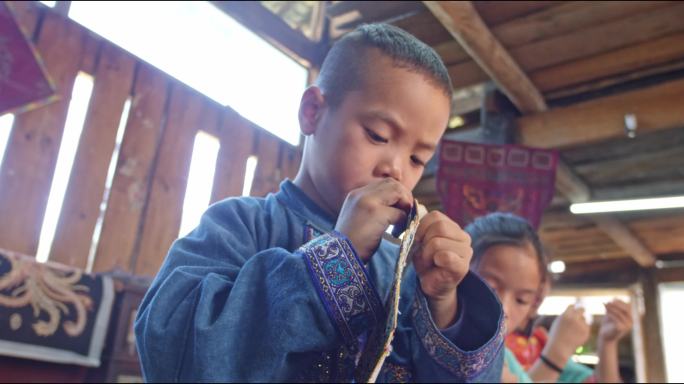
x,y
657,107
273,29
464,23
462,20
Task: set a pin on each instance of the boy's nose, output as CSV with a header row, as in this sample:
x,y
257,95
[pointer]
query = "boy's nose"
x,y
391,168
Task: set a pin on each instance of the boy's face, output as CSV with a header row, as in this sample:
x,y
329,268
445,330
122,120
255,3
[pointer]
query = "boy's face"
x,y
390,128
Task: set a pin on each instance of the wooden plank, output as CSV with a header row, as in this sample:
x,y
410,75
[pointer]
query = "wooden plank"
x,y
666,164
625,147
650,189
568,17
614,63
615,80
81,207
267,175
466,74
237,136
379,11
592,256
165,202
451,52
33,145
130,187
424,27
670,275
496,12
92,46
626,239
657,107
290,159
27,14
570,185
465,25
621,33
662,234
274,30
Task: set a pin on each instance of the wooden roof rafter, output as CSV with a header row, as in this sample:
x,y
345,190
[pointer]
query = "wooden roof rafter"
x,y
464,23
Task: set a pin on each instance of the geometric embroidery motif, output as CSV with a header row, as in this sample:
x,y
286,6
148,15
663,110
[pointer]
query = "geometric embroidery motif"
x,y
343,285
466,365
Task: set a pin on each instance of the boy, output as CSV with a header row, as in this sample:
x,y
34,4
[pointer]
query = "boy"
x,y
288,288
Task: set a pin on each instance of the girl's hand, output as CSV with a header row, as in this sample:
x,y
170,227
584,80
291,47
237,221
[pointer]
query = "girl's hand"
x,y
617,322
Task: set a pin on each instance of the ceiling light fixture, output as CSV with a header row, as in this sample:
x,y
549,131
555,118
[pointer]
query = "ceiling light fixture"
x,y
628,205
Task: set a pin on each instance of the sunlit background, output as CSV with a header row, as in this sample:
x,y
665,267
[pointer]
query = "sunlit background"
x,y
202,47
209,51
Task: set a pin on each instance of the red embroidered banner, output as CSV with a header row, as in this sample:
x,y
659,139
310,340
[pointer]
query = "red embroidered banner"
x,y
476,179
23,82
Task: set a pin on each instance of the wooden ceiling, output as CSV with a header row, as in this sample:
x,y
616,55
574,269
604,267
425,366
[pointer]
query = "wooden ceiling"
x,y
573,69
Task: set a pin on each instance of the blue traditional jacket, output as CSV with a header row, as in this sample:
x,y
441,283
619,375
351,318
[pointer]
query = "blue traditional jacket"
x,y
264,290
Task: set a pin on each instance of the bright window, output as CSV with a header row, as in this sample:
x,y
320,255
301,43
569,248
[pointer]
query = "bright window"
x,y
6,122
671,314
203,47
200,180
78,107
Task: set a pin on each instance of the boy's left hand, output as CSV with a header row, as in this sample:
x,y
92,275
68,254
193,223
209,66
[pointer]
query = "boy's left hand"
x,y
441,261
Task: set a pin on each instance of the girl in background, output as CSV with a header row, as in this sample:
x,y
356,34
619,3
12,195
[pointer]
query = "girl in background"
x,y
508,255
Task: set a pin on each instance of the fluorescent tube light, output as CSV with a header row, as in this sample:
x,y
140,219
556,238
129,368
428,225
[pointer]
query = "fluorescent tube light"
x,y
628,205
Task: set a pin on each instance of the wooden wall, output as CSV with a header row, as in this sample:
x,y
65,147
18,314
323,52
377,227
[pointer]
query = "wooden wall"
x,y
144,205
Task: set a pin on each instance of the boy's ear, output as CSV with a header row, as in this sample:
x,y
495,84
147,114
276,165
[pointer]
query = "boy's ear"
x,y
310,109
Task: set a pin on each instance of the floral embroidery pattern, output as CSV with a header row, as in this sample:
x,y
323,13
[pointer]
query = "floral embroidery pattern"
x,y
394,373
343,285
466,365
47,290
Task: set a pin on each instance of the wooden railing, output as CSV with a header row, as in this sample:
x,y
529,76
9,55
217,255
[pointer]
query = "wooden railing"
x,y
144,206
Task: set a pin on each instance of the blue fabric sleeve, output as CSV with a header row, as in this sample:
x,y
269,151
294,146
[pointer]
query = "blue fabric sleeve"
x,y
469,351
220,310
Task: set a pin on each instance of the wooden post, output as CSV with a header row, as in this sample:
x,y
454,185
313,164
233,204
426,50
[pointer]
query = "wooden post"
x,y
650,323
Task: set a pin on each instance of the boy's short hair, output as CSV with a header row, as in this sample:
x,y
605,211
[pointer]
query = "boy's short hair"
x,y
347,62
500,228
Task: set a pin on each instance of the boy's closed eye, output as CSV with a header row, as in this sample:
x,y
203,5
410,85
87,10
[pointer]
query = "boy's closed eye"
x,y
374,136
418,162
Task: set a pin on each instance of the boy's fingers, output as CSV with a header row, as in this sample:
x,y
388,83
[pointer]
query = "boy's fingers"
x,y
437,224
393,193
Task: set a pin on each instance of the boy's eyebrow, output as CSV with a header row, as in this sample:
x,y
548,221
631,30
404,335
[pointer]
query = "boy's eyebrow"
x,y
391,121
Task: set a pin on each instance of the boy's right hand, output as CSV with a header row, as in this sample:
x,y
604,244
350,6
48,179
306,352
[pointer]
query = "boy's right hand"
x,y
369,210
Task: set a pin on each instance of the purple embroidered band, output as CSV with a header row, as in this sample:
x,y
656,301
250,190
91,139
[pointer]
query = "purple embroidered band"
x,y
343,285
